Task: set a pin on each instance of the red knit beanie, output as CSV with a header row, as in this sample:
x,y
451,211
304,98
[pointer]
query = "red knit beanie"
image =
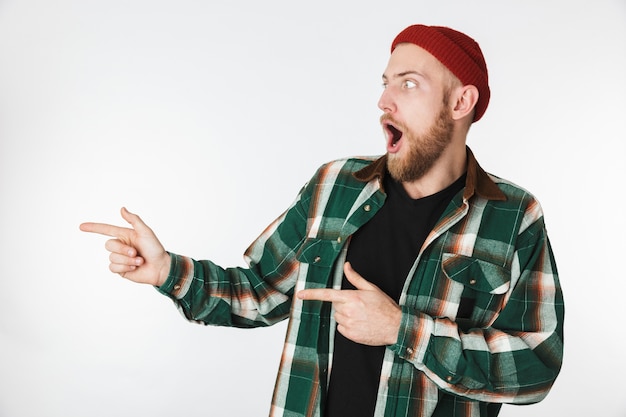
x,y
458,52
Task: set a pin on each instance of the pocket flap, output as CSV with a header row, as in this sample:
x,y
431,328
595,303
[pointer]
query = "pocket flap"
x,y
319,252
476,274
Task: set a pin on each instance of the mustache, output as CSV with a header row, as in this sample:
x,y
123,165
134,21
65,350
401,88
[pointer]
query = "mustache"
x,y
387,118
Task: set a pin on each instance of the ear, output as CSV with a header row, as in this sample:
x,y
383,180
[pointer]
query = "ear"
x,y
463,100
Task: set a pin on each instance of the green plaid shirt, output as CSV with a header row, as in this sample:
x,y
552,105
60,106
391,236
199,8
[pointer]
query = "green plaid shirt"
x,y
490,246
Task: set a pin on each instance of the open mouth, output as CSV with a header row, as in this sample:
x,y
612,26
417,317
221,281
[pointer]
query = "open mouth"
x,y
393,134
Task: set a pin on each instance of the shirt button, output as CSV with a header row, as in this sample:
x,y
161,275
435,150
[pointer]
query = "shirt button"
x,y
177,287
409,351
449,378
339,239
317,259
472,281
367,207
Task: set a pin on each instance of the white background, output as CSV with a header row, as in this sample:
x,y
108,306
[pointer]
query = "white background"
x,y
206,118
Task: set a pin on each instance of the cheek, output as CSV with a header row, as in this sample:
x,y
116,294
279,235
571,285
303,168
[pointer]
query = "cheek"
x,y
421,120
417,125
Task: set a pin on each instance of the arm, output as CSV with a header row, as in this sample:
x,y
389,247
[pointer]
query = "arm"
x,y
204,292
258,295
517,358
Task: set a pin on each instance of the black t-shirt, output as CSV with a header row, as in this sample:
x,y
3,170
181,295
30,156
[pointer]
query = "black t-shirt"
x,y
383,252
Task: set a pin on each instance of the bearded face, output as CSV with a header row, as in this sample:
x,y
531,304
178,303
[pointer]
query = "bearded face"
x,y
420,151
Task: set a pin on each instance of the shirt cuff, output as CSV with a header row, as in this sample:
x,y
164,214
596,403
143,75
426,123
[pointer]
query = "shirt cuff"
x,y
414,335
179,278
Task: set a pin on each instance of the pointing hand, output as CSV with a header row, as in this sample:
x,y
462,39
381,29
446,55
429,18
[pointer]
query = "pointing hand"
x,y
136,253
366,315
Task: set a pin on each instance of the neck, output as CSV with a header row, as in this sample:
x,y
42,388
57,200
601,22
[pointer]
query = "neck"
x,y
449,167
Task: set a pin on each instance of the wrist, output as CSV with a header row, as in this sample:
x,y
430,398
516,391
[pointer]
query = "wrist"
x,y
395,327
164,270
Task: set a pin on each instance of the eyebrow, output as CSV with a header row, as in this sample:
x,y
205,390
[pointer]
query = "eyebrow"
x,y
405,73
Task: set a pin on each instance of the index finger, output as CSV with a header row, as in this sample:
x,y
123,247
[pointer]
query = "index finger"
x,y
321,294
104,229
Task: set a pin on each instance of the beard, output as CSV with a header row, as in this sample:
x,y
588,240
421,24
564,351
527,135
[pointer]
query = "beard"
x,y
422,150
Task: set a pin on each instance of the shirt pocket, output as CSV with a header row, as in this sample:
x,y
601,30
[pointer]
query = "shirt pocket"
x,y
316,257
319,255
482,286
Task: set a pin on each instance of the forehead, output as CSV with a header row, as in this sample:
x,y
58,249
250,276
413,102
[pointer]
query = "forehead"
x,y
409,57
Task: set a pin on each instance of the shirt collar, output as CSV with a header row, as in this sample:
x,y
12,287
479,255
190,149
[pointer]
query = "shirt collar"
x,y
478,181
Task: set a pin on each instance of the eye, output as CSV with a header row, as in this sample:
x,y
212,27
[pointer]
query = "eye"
x,y
409,84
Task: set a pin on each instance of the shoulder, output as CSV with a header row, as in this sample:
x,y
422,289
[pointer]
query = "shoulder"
x,y
343,169
520,199
336,180
351,164
514,192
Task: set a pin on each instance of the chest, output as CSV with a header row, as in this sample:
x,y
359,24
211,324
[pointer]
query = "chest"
x,y
384,249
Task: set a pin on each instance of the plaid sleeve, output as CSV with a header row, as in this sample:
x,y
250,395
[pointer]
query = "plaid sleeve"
x,y
258,295
517,358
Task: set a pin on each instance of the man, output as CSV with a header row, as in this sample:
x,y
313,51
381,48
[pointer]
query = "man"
x,y
416,284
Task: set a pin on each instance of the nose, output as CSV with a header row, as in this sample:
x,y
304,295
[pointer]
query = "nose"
x,y
386,102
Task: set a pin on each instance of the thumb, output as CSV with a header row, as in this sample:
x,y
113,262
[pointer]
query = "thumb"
x,y
133,219
356,279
